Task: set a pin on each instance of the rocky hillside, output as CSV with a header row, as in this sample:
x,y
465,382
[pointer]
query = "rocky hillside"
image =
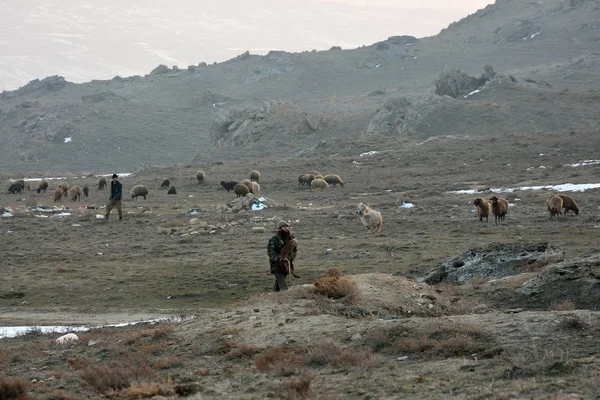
x,y
545,78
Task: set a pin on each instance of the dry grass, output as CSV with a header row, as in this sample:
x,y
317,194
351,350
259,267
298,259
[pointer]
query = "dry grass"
x,y
60,395
280,360
563,305
116,377
539,362
549,257
573,322
60,268
432,340
14,389
168,363
242,352
335,286
143,391
298,387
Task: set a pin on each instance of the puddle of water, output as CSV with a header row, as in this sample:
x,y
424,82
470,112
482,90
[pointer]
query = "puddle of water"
x,y
15,331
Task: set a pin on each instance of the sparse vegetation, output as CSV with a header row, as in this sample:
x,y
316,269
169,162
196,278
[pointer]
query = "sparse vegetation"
x,y
563,305
334,285
14,389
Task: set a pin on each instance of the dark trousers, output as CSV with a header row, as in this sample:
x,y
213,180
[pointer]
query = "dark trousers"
x,y
280,283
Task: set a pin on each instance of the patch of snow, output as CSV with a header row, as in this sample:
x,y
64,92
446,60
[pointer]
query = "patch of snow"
x,y
14,331
67,139
472,93
564,187
369,153
583,163
407,205
534,35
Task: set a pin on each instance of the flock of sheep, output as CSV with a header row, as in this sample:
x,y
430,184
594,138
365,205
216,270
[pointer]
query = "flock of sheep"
x,y
74,193
499,206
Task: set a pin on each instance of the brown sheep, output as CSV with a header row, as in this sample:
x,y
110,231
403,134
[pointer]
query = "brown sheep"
x,y
318,183
86,190
255,176
139,190
319,176
27,185
165,184
315,173
64,188
43,185
555,204
241,190
499,208
305,179
254,188
75,193
58,194
569,204
333,180
483,208
102,183
246,182
201,176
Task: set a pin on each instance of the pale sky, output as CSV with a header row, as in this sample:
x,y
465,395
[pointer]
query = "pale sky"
x,y
98,39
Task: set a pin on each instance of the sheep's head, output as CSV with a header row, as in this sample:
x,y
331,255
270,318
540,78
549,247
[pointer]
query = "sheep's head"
x,y
494,200
478,202
362,209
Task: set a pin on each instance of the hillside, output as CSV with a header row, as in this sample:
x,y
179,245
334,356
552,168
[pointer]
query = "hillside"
x,y
544,54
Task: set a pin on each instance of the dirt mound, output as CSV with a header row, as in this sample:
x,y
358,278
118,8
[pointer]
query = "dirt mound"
x,y
494,261
575,280
37,87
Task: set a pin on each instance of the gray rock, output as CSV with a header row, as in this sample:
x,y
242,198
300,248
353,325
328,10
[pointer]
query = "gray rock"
x,y
161,69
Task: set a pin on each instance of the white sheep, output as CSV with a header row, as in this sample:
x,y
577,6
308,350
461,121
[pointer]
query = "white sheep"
x,y
370,218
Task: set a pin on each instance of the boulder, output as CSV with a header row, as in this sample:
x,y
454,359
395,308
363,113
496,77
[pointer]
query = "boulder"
x,y
161,69
493,261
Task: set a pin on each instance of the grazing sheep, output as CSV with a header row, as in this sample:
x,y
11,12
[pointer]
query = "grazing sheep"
x,y
305,179
27,185
333,179
483,208
21,182
247,183
569,204
172,190
318,183
555,204
370,218
165,184
254,188
139,190
201,176
64,188
499,208
75,193
102,183
86,190
241,190
319,176
228,185
255,176
315,173
15,188
43,185
58,194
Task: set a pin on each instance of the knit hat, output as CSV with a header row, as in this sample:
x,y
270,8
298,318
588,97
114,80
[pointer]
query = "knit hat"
x,y
281,224
115,176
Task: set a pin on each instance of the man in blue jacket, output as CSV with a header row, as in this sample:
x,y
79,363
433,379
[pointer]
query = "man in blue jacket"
x,y
116,194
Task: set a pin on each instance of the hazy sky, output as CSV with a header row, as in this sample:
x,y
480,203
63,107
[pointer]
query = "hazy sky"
x,y
98,39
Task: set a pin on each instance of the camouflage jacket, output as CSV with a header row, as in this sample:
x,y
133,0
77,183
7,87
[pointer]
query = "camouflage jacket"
x,y
274,247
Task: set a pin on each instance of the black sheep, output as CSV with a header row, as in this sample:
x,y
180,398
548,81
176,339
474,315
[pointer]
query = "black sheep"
x,y
228,185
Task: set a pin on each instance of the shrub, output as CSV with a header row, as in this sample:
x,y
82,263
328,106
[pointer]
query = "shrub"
x,y
14,389
298,387
280,360
117,376
334,285
563,305
144,390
